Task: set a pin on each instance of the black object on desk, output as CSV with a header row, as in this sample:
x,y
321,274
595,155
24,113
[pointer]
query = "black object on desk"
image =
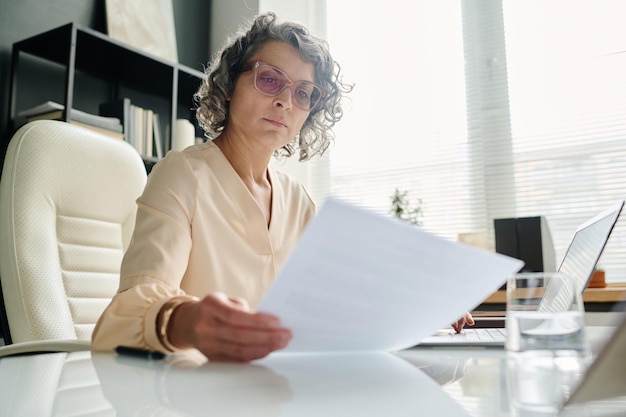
x,y
140,353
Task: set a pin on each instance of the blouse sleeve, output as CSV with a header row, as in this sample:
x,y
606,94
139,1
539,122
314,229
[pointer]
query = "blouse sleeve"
x,y
155,262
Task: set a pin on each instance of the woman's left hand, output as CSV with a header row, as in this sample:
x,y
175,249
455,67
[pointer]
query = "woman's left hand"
x,y
466,319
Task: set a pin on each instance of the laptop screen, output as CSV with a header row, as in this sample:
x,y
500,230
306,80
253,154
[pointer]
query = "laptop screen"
x,y
581,257
587,245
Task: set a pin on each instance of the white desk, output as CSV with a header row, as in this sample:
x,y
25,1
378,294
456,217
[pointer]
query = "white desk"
x,y
410,383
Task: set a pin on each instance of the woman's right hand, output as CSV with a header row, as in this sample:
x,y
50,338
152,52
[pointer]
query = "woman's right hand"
x,y
224,329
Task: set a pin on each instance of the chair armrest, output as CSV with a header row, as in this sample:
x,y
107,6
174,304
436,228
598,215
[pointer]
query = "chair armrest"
x,y
45,346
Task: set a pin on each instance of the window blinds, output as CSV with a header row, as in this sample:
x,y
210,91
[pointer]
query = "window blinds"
x,y
485,110
568,107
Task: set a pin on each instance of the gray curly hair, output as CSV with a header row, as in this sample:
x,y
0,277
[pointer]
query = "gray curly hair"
x,y
211,101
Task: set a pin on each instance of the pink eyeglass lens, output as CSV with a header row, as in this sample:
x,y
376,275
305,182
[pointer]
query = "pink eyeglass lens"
x,y
272,81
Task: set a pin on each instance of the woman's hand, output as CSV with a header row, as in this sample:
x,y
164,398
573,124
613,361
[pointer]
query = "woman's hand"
x,y
224,329
466,319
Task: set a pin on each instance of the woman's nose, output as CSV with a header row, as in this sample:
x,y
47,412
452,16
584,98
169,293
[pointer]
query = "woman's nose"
x,y
285,97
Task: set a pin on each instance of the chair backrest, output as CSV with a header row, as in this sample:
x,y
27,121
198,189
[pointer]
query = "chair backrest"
x,y
67,211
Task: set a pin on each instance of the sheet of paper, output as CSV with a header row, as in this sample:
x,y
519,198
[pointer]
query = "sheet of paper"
x,y
362,281
605,376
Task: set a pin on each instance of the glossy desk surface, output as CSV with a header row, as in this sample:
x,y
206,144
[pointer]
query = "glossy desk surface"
x,y
416,382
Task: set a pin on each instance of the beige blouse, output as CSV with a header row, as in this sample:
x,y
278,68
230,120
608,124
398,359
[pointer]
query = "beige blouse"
x,y
198,230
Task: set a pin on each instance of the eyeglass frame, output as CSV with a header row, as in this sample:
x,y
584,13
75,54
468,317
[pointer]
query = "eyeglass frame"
x,y
256,64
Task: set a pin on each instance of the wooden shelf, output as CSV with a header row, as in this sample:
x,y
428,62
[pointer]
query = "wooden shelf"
x,y
612,293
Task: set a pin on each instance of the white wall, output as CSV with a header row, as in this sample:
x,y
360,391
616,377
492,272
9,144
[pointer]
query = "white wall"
x,y
226,18
311,13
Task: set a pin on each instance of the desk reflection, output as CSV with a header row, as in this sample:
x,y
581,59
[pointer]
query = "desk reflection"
x,y
495,384
189,385
53,384
367,384
444,369
408,383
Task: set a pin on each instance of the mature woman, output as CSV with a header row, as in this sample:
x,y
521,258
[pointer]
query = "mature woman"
x,y
216,221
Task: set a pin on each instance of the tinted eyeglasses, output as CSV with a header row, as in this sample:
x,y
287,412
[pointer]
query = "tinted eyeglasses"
x,y
271,81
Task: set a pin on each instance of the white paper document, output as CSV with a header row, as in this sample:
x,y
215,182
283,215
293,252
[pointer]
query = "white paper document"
x,y
362,281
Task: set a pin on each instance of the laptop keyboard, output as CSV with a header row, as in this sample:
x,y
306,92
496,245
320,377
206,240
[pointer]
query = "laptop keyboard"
x,y
481,336
484,335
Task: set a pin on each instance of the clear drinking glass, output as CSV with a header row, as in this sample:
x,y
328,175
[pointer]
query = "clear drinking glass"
x,y
538,386
545,315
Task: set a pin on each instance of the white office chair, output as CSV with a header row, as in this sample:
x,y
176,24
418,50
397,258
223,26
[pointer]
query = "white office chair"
x,y
67,211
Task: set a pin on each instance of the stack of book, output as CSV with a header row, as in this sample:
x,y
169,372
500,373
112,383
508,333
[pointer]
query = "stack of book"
x,y
118,119
110,126
142,127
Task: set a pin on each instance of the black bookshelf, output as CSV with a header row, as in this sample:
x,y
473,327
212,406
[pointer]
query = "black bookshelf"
x,y
81,50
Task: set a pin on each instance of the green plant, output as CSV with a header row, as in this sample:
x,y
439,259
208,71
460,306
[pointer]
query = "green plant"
x,y
403,209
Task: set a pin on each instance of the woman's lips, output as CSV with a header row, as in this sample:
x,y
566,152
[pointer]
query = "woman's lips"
x,y
277,121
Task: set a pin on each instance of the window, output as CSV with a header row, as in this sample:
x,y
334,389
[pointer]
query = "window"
x,y
404,125
484,110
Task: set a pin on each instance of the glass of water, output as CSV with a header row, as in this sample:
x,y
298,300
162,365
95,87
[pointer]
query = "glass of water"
x,y
545,315
538,386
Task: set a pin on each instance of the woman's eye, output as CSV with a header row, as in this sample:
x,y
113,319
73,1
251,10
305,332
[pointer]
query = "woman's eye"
x,y
303,93
269,80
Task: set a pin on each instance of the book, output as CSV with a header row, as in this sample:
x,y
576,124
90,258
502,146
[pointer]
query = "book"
x,y
140,143
156,128
138,125
52,115
107,132
117,134
46,107
131,134
148,132
51,110
120,109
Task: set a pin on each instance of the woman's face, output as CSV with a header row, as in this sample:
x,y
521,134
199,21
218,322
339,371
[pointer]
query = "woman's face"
x,y
269,122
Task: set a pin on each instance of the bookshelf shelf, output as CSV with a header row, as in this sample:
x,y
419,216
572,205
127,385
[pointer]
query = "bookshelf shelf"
x,y
80,50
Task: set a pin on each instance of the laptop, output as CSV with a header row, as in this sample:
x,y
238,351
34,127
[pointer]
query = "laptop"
x,y
579,261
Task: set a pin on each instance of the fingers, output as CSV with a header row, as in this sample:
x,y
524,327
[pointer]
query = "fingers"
x,y
458,326
230,311
227,330
242,303
466,319
253,336
243,344
223,351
